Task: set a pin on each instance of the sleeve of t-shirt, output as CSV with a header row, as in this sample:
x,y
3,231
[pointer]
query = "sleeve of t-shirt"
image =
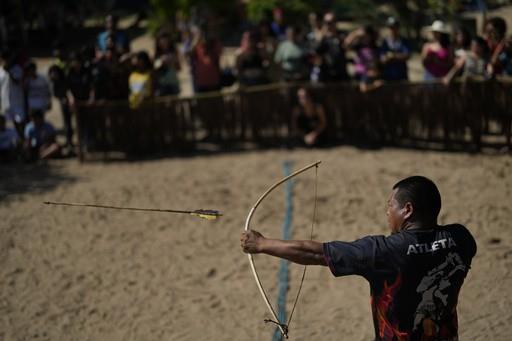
x,y
364,256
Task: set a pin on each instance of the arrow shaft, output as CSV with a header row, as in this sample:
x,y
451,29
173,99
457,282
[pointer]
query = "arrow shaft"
x,y
117,207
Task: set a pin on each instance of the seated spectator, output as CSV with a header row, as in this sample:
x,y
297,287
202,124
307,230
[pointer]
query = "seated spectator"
x,y
141,80
37,89
364,43
8,141
372,80
436,55
394,53
292,58
495,32
309,120
251,61
40,140
167,66
472,64
119,38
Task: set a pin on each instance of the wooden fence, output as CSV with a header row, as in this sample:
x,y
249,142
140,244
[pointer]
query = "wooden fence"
x,y
400,114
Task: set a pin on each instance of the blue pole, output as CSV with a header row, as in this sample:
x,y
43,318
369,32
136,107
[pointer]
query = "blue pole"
x,y
283,276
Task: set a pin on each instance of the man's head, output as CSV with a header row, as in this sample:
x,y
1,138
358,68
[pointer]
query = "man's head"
x,y
394,26
414,200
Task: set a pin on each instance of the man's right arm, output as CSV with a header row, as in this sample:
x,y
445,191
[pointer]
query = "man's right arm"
x,y
305,252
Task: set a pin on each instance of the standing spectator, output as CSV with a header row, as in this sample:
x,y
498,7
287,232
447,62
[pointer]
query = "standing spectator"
x,y
141,80
167,66
251,61
278,26
316,33
8,141
120,40
437,55
12,96
205,52
309,119
461,43
505,57
37,90
40,138
292,58
473,63
78,80
364,42
495,34
58,80
394,53
329,54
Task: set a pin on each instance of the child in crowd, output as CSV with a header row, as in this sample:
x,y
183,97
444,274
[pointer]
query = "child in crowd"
x,y
140,80
372,79
40,138
8,141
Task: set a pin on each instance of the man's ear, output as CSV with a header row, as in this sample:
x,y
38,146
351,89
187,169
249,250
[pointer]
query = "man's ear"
x,y
407,210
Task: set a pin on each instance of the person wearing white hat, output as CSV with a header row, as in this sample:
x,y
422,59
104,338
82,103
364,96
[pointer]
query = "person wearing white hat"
x,y
437,56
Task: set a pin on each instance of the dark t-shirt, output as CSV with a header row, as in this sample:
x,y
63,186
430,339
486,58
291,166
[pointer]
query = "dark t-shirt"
x,y
415,277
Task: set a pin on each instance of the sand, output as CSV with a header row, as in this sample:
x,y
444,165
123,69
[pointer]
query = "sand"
x,y
92,274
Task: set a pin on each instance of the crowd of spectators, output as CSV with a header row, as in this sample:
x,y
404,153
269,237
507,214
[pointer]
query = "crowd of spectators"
x,y
270,51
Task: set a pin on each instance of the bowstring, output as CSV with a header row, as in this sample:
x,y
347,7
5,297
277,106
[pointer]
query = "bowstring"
x,y
311,238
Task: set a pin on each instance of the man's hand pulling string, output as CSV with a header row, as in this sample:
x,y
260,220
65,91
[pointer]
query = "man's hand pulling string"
x,y
201,213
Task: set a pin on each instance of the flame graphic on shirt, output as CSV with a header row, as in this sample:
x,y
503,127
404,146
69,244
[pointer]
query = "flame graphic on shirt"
x,y
388,330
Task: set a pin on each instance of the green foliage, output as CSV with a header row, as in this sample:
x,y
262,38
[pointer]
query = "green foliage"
x,y
443,8
294,10
163,12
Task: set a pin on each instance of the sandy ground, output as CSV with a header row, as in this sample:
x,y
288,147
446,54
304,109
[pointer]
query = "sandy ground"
x,y
92,274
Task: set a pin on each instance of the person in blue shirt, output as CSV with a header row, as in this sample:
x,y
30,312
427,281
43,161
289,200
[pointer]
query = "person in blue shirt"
x,y
394,53
415,273
40,139
120,39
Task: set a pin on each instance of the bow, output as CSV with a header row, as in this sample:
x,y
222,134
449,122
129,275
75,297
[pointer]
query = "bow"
x,y
282,326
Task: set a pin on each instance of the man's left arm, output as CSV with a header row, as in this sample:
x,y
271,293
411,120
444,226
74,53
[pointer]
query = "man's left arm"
x,y
305,252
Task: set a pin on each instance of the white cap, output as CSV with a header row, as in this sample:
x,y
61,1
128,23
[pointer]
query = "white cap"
x,y
439,26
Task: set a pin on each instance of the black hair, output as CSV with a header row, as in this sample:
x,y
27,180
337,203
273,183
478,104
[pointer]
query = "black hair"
x,y
37,113
444,39
482,43
144,57
31,66
499,24
466,34
423,195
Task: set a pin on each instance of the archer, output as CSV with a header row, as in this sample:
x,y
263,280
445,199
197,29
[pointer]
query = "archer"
x,y
415,274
